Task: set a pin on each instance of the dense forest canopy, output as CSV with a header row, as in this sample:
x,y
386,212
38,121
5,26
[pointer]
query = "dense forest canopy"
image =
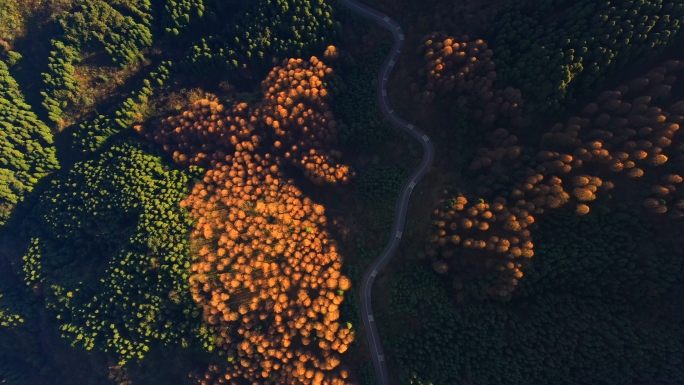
x,y
192,190
117,222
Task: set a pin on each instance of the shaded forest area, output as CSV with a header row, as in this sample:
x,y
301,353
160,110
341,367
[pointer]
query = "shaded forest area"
x,y
191,190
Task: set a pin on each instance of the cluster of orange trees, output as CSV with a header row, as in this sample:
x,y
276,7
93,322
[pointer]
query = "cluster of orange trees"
x,y
294,114
203,132
268,276
467,66
267,273
620,138
295,108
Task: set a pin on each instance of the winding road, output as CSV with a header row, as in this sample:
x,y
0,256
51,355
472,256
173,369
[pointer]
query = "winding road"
x,y
405,192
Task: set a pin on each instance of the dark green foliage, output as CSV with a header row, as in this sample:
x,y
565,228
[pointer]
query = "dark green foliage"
x,y
379,188
364,252
110,247
357,110
602,305
350,308
11,302
264,34
26,147
559,51
22,357
366,373
380,185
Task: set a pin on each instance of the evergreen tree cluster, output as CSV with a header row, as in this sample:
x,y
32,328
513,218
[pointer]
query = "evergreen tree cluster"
x,y
122,28
357,109
179,15
90,135
556,51
26,146
61,85
380,184
378,187
109,247
22,357
602,305
263,35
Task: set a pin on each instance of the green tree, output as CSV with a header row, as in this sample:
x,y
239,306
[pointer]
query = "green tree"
x,y
110,245
557,51
26,146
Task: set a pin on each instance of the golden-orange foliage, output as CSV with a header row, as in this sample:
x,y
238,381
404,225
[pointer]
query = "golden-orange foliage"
x,y
204,132
467,66
263,254
295,107
582,209
279,254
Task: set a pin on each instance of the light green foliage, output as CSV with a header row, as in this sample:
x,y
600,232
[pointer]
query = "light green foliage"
x,y
92,134
560,50
8,315
26,147
120,27
13,58
179,14
110,246
62,86
356,109
592,310
8,319
265,33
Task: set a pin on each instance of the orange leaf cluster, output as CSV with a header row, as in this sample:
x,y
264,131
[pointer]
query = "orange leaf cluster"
x,y
467,66
331,54
628,135
203,132
268,274
617,135
295,108
493,231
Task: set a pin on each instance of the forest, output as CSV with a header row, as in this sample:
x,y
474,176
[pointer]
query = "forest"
x,y
192,190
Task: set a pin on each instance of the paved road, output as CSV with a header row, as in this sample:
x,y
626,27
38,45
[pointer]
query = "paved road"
x,y
404,193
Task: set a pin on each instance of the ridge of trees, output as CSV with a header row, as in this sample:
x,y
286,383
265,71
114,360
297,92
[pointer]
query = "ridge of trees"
x,y
27,150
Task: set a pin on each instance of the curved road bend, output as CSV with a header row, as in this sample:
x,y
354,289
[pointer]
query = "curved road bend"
x,y
404,193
